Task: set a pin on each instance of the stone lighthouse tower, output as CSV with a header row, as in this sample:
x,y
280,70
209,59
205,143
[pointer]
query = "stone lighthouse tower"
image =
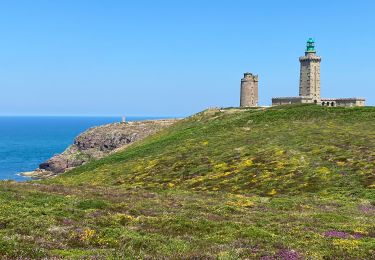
x,y
309,84
249,90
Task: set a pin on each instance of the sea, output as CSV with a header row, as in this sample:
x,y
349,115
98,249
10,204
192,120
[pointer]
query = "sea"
x,y
27,141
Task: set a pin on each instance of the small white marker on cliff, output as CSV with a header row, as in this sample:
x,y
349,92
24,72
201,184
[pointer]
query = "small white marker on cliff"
x,y
123,119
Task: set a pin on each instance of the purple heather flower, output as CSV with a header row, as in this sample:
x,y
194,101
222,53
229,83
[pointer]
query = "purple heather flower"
x,y
287,254
341,234
366,208
357,235
337,234
284,254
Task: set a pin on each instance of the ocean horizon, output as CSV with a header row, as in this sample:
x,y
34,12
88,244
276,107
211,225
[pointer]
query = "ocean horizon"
x,y
27,141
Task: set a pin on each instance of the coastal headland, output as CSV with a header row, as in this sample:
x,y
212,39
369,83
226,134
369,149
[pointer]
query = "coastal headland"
x,y
96,143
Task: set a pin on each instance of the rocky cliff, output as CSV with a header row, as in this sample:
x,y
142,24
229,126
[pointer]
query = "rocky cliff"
x,y
97,142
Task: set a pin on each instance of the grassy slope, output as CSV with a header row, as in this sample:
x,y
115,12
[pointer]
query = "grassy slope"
x,y
276,182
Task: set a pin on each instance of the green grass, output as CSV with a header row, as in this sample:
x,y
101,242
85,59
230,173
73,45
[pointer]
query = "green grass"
x,y
287,149
236,183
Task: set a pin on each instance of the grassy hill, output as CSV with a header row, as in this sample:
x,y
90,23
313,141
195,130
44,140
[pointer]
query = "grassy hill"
x,y
288,182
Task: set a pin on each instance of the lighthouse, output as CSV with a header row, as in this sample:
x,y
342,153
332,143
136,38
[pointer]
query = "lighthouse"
x,y
309,83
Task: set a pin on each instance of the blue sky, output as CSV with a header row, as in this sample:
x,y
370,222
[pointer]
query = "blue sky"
x,y
173,58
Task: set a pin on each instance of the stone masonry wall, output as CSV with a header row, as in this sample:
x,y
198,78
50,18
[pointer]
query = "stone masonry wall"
x,y
249,90
310,76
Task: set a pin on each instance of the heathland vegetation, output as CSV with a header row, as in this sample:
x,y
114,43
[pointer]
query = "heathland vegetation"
x,y
288,182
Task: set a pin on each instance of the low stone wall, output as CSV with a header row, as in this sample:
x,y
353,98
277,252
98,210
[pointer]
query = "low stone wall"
x,y
290,100
343,102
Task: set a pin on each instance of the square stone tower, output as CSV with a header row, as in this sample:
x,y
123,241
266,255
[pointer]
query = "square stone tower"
x,y
309,84
249,90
